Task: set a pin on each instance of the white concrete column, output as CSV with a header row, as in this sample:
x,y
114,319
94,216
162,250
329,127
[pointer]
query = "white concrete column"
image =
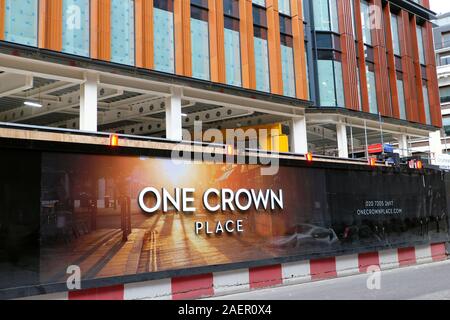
x,y
174,129
435,145
298,136
88,103
342,142
403,145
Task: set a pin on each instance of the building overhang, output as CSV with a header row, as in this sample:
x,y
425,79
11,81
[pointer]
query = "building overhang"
x,y
415,8
40,62
367,120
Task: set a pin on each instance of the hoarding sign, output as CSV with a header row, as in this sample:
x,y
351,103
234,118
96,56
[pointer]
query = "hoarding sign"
x,y
118,216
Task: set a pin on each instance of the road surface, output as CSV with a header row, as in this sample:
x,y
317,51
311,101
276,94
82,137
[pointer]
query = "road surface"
x,y
427,282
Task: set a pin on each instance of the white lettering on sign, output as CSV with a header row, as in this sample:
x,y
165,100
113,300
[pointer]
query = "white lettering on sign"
x,y
182,199
152,200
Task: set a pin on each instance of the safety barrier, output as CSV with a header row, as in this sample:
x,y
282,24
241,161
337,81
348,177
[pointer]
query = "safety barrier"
x,y
236,281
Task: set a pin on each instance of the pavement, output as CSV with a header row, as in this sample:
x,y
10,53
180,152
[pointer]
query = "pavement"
x,y
422,282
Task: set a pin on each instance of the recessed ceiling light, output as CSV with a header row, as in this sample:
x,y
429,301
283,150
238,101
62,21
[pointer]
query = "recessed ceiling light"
x,y
32,104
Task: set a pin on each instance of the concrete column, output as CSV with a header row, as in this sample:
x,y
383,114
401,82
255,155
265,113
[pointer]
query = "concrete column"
x,y
88,103
298,136
435,145
174,129
341,134
403,145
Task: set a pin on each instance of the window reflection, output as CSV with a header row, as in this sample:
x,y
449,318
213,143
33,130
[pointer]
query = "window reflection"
x,y
75,34
122,31
163,32
21,21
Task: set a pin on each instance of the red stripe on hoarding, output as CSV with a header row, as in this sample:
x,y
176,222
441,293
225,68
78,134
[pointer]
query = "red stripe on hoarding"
x,y
106,293
366,260
263,277
323,268
193,287
406,256
438,252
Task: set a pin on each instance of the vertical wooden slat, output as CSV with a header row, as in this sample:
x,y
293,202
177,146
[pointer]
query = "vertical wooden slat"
x,y
273,39
220,42
139,32
2,19
420,106
43,23
94,28
50,24
381,74
183,55
104,30
247,44
55,24
349,64
362,62
433,86
407,65
391,62
298,34
144,33
213,41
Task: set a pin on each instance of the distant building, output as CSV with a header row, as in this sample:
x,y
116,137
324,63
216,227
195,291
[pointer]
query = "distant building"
x,y
442,44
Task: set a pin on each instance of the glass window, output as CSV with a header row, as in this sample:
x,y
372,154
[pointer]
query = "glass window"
x,y
426,100
331,89
446,124
163,34
200,42
445,94
352,10
421,46
122,31
395,34
326,15
307,72
232,43
446,39
21,22
287,56
232,53
75,34
231,8
372,89
358,76
365,19
401,98
287,61
445,60
334,15
262,63
260,2
284,7
339,84
261,49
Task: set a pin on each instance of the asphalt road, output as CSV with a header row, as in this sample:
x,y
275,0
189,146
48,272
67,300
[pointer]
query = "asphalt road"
x,y
424,282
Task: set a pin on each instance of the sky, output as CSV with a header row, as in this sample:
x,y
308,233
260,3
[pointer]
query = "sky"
x,y
440,6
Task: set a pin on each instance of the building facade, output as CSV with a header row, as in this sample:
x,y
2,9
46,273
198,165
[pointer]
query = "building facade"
x,y
442,44
96,95
365,66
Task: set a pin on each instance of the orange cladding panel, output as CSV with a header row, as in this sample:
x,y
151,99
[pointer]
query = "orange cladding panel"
x,y
2,19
